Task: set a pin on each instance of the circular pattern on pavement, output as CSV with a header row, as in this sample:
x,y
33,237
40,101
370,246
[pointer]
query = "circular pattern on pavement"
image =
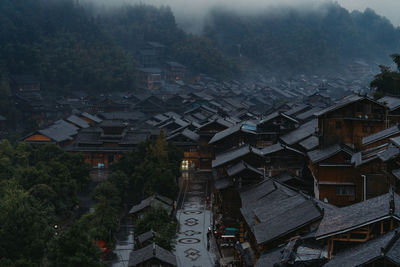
x,y
190,212
188,240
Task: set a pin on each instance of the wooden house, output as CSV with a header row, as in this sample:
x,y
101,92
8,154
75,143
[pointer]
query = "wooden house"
x,y
227,186
280,158
274,213
60,132
393,105
175,71
103,144
187,141
206,132
335,179
350,120
271,127
150,105
91,119
155,201
150,78
381,251
234,136
24,83
359,223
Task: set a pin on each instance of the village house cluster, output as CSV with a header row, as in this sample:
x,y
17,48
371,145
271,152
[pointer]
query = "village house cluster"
x,y
304,170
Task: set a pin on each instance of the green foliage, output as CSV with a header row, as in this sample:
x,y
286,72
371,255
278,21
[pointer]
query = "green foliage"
x,y
63,45
38,189
24,225
130,26
203,56
152,168
44,170
387,81
309,40
74,247
157,219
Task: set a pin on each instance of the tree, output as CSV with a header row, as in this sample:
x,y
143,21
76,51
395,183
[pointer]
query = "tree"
x,y
158,220
24,225
387,81
74,247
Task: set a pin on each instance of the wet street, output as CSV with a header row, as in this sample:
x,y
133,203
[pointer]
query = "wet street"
x,y
119,257
194,217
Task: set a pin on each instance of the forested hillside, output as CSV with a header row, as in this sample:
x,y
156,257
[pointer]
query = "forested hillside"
x,y
304,41
68,47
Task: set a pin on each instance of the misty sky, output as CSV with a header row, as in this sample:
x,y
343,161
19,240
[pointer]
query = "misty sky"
x,y
196,9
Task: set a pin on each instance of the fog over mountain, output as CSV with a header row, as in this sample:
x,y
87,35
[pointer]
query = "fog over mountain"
x,y
191,14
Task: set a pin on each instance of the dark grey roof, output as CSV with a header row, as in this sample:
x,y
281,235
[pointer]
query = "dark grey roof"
x,y
384,246
321,154
389,153
151,251
134,137
91,117
341,103
60,131
381,135
286,216
276,115
186,133
369,154
241,166
234,154
223,183
390,101
125,116
220,121
152,201
396,173
308,114
78,121
300,133
276,148
145,236
310,143
227,132
191,135
112,123
269,259
357,215
297,109
253,193
272,210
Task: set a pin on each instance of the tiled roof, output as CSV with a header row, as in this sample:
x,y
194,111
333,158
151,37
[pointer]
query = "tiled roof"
x,y
301,133
150,252
357,215
384,246
381,135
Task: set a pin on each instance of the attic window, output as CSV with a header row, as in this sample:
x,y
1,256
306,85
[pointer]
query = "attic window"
x,y
338,125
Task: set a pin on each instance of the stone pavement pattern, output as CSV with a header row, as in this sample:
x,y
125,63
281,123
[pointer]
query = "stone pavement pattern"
x,y
194,218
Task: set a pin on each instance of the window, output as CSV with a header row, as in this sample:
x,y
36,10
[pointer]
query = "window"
x,y
338,125
345,190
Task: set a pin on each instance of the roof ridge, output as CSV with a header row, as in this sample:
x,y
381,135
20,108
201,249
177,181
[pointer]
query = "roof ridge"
x,y
391,242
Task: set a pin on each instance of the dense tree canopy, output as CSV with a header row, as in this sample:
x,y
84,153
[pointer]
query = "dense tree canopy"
x,y
39,188
387,82
290,39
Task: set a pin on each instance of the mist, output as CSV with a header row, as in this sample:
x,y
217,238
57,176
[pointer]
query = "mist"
x,y
190,15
